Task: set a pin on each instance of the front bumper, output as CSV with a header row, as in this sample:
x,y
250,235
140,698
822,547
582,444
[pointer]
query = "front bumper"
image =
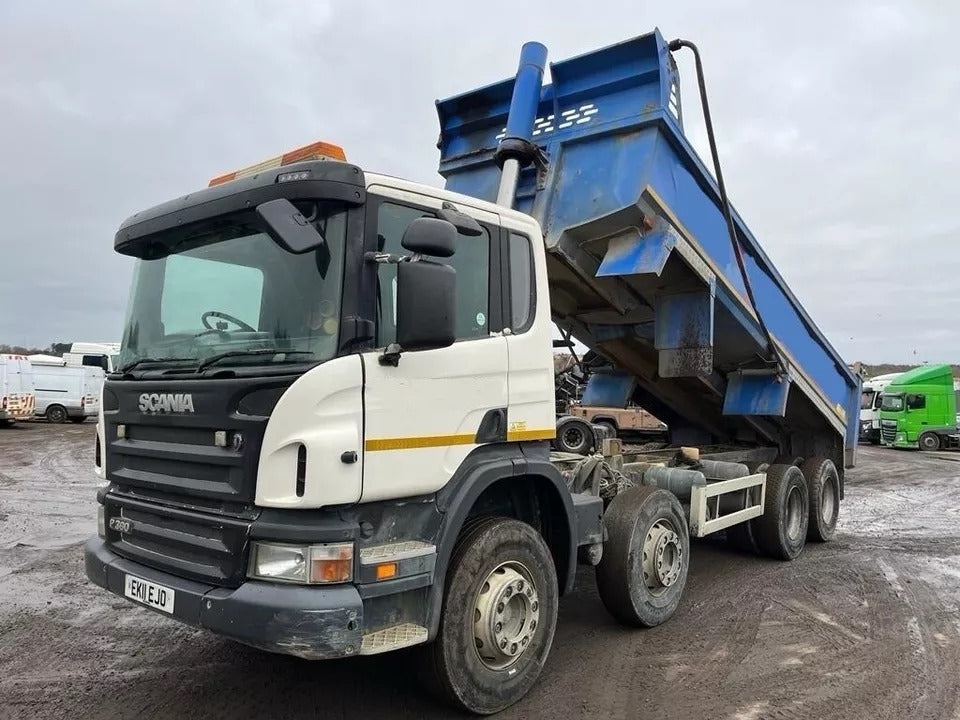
x,y
313,623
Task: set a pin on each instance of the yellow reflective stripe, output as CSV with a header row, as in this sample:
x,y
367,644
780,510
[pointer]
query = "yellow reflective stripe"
x,y
418,441
546,434
426,441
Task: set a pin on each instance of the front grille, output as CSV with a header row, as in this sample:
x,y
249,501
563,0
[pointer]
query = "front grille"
x,y
888,430
185,480
197,546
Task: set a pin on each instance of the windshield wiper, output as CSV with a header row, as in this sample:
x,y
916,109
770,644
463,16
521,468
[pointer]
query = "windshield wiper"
x,y
238,353
130,366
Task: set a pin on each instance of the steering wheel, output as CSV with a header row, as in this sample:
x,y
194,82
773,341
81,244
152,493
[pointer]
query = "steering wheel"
x,y
223,316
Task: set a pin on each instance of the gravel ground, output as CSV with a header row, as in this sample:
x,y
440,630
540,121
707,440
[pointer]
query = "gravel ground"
x,y
867,626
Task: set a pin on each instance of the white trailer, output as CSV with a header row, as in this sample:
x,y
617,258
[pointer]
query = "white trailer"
x,y
65,391
16,389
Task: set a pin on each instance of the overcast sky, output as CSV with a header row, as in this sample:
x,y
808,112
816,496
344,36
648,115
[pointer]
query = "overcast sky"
x,y
838,125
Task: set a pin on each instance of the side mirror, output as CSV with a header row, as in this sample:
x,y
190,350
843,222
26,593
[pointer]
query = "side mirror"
x,y
430,236
288,227
426,302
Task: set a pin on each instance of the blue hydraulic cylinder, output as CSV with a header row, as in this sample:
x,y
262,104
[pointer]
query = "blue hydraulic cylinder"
x,y
526,91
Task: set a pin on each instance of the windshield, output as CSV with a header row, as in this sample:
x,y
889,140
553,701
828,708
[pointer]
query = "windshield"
x,y
228,287
866,399
893,403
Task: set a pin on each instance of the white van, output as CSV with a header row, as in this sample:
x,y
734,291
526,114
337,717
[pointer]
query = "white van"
x,y
16,389
65,391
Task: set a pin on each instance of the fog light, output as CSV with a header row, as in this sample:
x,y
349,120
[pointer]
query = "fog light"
x,y
101,521
305,564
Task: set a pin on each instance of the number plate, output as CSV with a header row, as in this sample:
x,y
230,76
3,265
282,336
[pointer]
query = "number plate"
x,y
148,593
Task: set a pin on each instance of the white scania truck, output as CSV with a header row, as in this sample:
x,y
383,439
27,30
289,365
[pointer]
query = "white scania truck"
x,y
329,431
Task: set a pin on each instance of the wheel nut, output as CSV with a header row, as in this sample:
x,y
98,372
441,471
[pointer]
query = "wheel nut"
x,y
498,628
499,607
519,585
508,592
535,606
525,641
533,624
503,644
513,649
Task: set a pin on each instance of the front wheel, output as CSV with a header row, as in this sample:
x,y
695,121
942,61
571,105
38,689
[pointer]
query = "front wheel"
x,y
643,570
498,619
929,441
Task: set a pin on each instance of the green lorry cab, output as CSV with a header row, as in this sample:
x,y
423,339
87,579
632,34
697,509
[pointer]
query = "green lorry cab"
x,y
919,409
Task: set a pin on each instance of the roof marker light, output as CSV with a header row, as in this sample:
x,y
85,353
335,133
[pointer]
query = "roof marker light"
x,y
313,151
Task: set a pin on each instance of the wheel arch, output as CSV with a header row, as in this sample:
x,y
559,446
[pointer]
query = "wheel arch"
x,y
504,479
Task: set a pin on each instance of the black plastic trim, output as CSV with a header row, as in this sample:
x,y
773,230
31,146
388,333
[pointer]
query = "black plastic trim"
x,y
493,427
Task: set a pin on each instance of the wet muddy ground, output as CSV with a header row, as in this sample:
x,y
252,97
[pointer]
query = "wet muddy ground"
x,y
867,626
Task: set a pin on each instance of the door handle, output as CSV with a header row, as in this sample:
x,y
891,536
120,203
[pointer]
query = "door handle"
x,y
349,457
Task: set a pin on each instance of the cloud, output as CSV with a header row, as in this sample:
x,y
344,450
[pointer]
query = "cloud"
x,y
836,126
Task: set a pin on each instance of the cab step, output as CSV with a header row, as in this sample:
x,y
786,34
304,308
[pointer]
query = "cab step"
x,y
393,638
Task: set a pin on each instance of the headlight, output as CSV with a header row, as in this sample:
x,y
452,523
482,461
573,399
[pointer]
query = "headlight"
x,y
305,564
101,521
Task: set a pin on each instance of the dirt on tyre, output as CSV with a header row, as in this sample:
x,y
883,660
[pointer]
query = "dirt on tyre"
x,y
643,570
928,441
56,414
823,486
498,618
781,531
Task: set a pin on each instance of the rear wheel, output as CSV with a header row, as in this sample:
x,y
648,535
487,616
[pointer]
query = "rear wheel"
x,y
929,441
645,558
823,485
56,414
498,619
781,531
574,436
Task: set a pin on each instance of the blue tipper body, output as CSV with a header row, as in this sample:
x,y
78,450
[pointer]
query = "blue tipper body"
x,y
640,263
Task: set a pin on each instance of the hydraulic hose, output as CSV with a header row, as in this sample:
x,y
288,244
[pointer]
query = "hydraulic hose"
x,y
674,46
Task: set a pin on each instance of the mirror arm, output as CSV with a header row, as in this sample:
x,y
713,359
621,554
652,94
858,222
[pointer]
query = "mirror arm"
x,y
391,355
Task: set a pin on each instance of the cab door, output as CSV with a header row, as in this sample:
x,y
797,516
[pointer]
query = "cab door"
x,y
423,417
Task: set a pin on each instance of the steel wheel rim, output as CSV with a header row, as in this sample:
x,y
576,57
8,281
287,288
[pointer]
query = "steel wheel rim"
x,y
663,558
577,437
506,615
794,513
828,501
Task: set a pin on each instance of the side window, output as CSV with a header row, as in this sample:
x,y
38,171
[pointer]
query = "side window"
x,y
522,288
916,402
197,285
471,261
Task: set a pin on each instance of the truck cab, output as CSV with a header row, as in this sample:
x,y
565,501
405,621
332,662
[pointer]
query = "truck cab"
x,y
870,401
919,409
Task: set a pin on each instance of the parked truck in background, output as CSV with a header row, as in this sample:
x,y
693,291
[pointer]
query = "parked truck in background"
x,y
919,409
328,433
16,389
93,354
870,399
65,391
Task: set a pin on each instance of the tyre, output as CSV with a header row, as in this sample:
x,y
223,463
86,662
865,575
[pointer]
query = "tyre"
x,y
781,531
823,488
56,414
498,618
79,419
645,558
929,441
574,436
